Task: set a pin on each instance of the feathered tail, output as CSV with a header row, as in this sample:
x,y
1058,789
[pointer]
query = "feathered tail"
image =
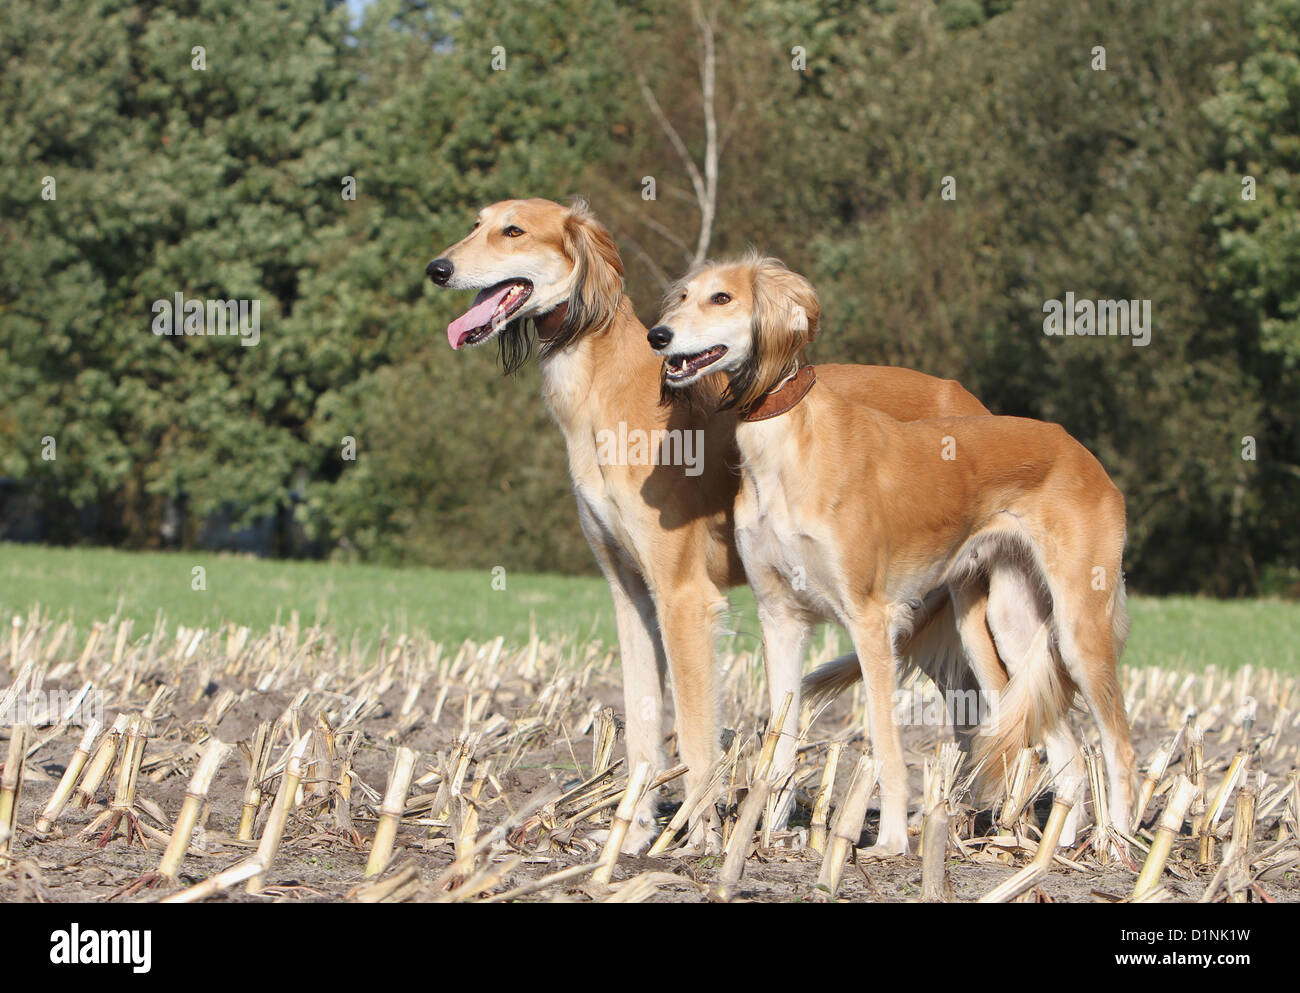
x,y
1034,701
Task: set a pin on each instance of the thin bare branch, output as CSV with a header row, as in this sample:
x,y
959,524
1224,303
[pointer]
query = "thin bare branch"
x,y
697,181
660,229
660,277
708,73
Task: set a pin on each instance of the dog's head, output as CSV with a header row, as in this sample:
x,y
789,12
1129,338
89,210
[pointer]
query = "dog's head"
x,y
527,258
748,319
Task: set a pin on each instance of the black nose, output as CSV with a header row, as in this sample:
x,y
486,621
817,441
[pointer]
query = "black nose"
x,y
659,337
439,271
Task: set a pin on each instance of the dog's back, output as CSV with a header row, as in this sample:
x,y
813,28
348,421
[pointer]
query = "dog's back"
x,y
903,394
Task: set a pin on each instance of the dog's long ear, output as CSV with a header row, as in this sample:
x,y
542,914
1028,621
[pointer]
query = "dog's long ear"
x,y
785,303
786,317
597,277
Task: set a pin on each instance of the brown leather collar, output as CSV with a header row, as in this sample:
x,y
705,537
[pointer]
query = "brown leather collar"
x,y
548,324
783,398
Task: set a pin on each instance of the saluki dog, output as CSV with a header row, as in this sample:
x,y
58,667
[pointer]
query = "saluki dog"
x,y
849,515
662,534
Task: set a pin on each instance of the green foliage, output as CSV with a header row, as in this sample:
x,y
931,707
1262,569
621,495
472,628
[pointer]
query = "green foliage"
x,y
1255,112
210,182
1252,196
959,14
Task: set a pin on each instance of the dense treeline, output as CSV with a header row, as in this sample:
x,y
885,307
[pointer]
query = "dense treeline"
x,y
940,170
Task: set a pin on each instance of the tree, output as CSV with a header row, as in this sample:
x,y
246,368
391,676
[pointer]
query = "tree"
x,y
195,150
1253,196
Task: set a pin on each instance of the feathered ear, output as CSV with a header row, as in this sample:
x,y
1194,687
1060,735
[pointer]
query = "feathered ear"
x,y
597,277
785,303
786,317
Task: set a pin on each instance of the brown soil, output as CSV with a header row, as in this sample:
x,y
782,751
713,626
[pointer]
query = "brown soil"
x,y
319,862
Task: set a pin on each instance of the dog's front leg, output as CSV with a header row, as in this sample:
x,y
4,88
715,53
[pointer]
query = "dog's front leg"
x,y
870,631
642,655
688,615
785,642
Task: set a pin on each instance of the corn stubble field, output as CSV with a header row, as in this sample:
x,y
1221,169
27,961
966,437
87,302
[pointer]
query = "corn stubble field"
x,y
287,765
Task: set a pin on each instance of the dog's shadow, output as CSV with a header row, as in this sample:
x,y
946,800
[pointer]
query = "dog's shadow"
x,y
696,472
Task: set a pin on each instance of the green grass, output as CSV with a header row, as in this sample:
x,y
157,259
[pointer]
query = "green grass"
x,y
1197,631
87,584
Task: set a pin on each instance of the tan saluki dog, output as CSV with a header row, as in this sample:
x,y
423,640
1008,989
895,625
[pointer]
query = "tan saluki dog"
x,y
871,514
662,534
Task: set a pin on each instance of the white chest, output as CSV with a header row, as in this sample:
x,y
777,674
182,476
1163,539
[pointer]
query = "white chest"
x,y
610,507
781,542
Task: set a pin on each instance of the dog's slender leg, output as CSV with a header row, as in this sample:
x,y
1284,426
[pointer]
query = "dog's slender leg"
x,y
871,638
643,665
971,602
785,640
1105,700
1068,776
986,671
1088,648
687,616
642,656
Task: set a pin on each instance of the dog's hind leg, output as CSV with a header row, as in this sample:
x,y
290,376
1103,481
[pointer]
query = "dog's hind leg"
x,y
981,672
1068,776
1089,645
785,641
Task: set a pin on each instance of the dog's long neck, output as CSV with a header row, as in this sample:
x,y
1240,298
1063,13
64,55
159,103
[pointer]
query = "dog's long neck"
x,y
771,437
604,375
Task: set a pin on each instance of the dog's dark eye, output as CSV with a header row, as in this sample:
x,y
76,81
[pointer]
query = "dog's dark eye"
x,y
512,231
476,225
721,298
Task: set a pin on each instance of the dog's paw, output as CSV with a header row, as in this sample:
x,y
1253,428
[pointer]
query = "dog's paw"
x,y
641,834
702,844
883,850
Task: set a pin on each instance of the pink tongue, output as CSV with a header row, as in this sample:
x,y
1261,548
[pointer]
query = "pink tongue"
x,y
478,315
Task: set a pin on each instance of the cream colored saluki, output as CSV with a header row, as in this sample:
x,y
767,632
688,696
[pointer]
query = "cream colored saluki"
x,y
550,277
871,514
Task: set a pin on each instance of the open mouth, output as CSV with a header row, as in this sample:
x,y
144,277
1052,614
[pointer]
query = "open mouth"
x,y
679,368
492,308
